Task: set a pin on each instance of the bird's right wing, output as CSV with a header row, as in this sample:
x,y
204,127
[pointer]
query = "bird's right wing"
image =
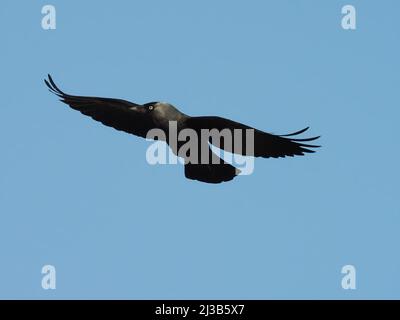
x,y
119,114
265,144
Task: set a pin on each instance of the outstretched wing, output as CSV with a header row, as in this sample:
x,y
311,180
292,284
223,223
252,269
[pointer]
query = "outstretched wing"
x,y
119,114
266,145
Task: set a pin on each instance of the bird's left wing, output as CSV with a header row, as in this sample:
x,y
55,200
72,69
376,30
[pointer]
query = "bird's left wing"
x,y
119,114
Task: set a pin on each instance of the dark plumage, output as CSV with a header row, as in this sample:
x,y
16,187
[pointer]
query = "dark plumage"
x,y
139,119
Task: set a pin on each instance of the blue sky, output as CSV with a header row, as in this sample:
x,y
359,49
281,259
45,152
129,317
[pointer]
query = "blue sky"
x,y
81,196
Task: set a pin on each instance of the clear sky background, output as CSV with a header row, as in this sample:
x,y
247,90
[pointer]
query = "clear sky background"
x,y
80,196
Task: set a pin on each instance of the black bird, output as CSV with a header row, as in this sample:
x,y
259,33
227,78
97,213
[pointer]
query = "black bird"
x,y
139,119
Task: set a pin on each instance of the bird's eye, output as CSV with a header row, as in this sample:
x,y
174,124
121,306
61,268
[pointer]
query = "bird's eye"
x,y
151,108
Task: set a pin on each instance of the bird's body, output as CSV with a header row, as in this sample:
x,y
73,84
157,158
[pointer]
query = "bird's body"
x,y
140,119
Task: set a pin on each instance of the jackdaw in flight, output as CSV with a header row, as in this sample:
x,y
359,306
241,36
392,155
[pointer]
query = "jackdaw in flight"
x,y
140,119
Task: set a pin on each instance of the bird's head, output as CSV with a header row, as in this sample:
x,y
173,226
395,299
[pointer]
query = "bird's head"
x,y
163,112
